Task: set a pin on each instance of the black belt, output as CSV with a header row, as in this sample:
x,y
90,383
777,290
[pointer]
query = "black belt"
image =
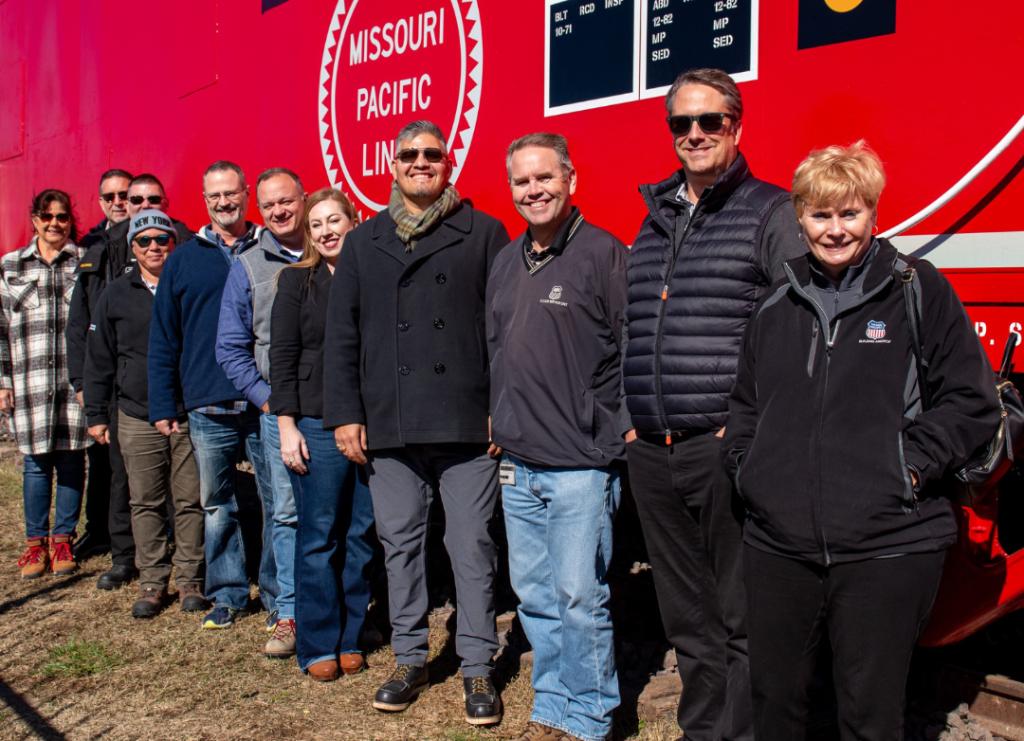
x,y
667,438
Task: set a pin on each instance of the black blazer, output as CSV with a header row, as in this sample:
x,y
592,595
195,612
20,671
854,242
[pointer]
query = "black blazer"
x,y
297,341
405,348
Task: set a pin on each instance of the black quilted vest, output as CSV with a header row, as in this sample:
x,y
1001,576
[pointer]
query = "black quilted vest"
x,y
680,363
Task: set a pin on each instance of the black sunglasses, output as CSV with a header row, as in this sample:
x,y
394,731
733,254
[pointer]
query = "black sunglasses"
x,y
710,123
153,200
161,239
433,155
121,195
46,218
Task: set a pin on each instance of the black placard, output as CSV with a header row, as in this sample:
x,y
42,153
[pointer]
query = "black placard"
x,y
592,50
685,34
821,24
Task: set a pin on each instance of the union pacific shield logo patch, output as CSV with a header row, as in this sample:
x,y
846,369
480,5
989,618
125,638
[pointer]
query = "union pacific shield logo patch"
x,y
875,330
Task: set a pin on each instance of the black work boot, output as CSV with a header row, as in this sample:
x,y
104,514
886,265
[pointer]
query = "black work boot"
x,y
401,688
119,575
483,703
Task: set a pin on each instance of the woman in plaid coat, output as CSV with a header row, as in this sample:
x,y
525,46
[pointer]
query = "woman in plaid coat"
x,y
49,426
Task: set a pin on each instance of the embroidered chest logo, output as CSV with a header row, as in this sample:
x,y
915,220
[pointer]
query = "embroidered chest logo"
x,y
554,297
875,334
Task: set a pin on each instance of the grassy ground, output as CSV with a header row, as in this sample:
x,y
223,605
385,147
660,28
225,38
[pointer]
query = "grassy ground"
x,y
75,665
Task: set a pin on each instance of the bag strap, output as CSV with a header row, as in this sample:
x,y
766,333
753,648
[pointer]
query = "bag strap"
x,y
912,298
1007,365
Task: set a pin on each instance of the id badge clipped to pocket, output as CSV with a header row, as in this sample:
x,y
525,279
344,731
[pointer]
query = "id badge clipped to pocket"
x,y
506,474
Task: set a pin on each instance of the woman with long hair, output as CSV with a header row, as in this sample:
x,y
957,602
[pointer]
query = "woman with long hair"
x,y
35,290
334,542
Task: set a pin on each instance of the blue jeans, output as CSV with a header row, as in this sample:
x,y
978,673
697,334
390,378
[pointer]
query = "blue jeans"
x,y
37,487
284,520
217,440
333,549
559,526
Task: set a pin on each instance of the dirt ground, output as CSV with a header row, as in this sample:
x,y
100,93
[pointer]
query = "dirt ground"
x,y
75,665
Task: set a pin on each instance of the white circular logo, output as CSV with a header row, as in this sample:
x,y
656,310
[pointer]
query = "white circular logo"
x,y
384,65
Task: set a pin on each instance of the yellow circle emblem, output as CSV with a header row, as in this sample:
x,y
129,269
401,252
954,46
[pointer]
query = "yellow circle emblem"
x,y
842,6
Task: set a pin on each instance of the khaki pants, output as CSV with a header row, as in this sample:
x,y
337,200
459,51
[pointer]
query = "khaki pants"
x,y
156,466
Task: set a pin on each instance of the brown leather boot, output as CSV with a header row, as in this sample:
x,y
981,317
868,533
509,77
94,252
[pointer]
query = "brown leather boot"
x,y
35,560
62,561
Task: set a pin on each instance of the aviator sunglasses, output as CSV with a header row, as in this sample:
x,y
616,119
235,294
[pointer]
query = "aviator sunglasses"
x,y
161,239
121,195
153,200
46,218
710,123
433,155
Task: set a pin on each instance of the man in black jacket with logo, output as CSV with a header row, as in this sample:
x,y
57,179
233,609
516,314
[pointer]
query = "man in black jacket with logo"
x,y
714,239
106,501
404,349
555,300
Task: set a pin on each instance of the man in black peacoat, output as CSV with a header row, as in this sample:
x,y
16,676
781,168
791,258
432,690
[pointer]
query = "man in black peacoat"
x,y
406,391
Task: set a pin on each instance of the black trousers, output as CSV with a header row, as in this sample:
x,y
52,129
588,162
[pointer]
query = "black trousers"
x,y
871,612
107,509
693,530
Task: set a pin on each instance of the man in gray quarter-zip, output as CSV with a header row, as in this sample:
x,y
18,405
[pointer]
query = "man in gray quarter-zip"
x,y
715,238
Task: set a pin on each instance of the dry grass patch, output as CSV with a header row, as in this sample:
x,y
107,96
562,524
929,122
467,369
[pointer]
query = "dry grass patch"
x,y
76,665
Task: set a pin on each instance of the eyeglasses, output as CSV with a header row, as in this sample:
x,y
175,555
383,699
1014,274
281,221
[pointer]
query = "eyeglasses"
x,y
121,195
229,195
433,155
161,239
710,123
153,200
61,218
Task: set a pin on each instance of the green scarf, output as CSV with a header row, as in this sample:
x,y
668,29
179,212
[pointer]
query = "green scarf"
x,y
410,227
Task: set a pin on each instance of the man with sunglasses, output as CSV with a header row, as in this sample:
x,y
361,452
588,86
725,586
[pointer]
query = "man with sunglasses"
x,y
714,239
113,202
158,467
107,499
405,352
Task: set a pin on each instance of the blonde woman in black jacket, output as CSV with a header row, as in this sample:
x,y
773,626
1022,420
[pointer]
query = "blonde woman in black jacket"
x,y
835,457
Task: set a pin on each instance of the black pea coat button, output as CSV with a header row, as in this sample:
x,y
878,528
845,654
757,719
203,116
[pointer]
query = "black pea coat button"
x,y
439,368
403,326
405,283
404,370
439,323
441,278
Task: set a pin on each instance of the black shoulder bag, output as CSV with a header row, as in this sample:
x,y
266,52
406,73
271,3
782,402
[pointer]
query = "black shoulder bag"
x,y
990,463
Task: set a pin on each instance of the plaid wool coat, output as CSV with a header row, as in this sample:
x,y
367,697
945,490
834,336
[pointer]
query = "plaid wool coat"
x,y
33,355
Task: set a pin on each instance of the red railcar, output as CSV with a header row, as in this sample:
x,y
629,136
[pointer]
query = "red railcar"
x,y
323,85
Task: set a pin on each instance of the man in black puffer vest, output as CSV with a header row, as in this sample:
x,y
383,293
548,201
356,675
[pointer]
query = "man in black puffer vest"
x,y
714,240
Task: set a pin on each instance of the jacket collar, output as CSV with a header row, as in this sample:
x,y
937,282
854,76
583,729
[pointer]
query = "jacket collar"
x,y
451,229
712,199
31,250
209,238
878,270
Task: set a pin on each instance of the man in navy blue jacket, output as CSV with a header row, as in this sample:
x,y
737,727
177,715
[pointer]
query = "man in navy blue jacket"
x,y
714,239
184,371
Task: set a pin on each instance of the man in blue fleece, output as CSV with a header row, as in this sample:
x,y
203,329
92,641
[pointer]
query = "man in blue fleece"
x,y
183,370
243,351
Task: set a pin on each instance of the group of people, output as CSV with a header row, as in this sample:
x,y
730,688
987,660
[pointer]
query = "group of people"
x,y
748,363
